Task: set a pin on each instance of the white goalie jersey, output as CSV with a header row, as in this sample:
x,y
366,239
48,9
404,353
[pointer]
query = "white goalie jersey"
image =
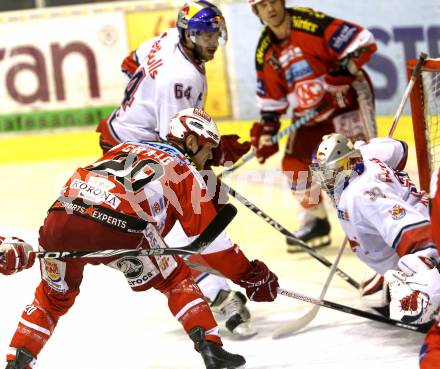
x,y
165,82
382,213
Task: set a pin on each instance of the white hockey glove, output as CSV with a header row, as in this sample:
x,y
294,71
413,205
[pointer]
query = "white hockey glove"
x,y
415,290
15,255
422,260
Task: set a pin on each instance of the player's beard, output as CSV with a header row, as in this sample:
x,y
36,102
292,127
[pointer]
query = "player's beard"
x,y
206,54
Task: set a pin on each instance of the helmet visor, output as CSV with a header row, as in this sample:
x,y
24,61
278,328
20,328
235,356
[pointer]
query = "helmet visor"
x,y
209,36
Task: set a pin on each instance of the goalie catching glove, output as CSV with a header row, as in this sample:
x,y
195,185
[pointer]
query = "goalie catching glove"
x,y
259,282
15,255
414,290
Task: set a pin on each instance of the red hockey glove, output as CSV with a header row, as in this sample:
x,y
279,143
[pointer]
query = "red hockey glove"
x,y
229,150
261,139
15,255
338,87
260,283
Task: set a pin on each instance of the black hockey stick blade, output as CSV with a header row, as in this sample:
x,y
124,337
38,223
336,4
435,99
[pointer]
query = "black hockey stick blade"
x,y
158,246
218,224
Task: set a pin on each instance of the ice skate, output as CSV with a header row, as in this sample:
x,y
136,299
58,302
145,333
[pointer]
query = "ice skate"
x,y
22,359
315,232
214,356
230,306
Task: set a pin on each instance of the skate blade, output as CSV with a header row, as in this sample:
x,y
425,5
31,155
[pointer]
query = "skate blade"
x,y
316,243
244,331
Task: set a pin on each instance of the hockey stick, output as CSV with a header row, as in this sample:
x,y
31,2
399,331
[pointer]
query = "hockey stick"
x,y
158,246
295,325
275,138
423,328
412,81
286,233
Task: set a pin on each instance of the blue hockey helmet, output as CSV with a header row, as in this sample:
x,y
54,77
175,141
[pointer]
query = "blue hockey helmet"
x,y
201,16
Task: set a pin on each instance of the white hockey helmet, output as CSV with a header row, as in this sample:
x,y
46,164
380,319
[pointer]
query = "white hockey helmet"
x,y
253,4
334,161
193,121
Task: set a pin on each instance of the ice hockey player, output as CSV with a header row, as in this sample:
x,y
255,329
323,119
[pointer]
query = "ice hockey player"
x,y
430,351
111,204
167,74
15,255
308,60
385,219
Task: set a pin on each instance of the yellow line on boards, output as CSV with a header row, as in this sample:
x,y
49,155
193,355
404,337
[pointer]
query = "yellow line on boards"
x,y
72,144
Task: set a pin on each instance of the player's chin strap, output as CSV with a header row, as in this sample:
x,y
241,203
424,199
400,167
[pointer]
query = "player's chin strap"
x,y
185,151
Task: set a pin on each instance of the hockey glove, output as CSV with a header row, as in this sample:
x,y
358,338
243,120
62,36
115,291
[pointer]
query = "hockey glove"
x,y
15,255
414,299
338,87
229,150
418,261
261,139
260,283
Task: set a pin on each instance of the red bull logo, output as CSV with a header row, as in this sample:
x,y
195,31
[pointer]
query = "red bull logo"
x,y
397,212
185,9
52,271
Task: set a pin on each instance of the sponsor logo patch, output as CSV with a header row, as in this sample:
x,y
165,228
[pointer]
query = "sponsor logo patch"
x,y
342,37
297,71
137,270
289,54
261,91
53,272
96,192
397,212
304,24
343,215
309,93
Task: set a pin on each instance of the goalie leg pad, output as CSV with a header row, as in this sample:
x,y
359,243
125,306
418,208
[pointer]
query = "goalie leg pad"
x,y
374,292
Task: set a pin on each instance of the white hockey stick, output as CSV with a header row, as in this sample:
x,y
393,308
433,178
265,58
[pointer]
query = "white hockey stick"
x,y
412,81
293,326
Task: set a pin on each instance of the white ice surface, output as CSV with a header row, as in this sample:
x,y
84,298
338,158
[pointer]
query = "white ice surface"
x,y
112,327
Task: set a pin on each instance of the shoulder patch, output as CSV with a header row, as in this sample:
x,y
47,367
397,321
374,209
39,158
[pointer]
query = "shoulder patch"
x,y
342,37
262,47
309,21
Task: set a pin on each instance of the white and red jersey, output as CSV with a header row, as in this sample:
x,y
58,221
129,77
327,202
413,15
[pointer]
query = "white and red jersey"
x,y
382,213
165,82
290,73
